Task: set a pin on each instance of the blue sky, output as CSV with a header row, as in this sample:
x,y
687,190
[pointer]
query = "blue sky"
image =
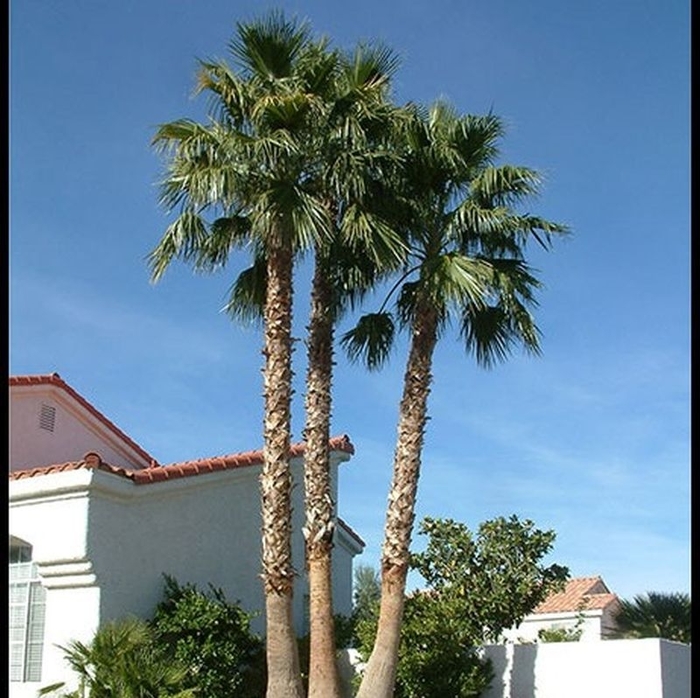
x,y
592,439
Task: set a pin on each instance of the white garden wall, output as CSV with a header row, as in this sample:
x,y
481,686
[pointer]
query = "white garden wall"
x,y
648,668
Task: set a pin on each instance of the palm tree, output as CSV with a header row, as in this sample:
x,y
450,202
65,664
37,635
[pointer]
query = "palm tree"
x,y
362,247
247,164
292,157
367,591
655,614
466,262
348,158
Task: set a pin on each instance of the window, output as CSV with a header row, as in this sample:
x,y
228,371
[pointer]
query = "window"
x,y
27,611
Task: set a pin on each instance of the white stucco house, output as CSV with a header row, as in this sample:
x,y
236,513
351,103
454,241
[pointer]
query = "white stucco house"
x,y
585,604
95,522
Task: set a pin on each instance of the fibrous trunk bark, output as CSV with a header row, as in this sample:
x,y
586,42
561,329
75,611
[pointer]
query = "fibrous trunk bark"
x,y
284,677
324,680
380,673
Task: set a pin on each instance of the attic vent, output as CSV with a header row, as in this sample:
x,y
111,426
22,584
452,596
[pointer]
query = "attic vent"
x,y
47,417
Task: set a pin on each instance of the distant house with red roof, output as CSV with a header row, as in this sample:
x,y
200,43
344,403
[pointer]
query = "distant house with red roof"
x,y
527,666
95,521
585,604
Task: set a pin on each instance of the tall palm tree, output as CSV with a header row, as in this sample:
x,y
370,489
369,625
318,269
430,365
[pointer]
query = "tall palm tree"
x,y
348,159
466,262
352,138
247,164
290,157
655,614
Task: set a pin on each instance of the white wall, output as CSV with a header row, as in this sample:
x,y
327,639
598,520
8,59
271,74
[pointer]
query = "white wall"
x,y
344,550
675,669
50,513
200,530
648,668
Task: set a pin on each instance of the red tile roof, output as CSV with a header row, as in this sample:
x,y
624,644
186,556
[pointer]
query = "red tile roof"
x,y
580,594
56,380
174,471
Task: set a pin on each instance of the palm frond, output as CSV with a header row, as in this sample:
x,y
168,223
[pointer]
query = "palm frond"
x,y
170,134
477,138
407,302
541,229
371,340
490,334
267,48
504,185
492,331
353,272
655,614
312,223
370,64
183,239
230,97
280,114
246,301
286,206
225,234
514,277
455,279
362,228
499,230
208,165
318,67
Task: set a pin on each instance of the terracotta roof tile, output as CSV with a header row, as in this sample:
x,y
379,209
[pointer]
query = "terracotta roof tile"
x,y
174,471
56,380
90,461
580,593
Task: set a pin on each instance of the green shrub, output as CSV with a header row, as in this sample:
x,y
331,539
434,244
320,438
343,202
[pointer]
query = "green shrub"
x,y
212,637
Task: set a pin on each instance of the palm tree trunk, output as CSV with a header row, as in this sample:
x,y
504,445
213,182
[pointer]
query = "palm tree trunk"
x,y
284,677
380,673
324,680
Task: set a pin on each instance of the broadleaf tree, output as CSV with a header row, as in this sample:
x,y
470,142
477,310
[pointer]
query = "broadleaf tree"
x,y
475,587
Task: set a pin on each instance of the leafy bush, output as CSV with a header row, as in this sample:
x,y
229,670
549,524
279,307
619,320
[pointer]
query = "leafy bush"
x,y
197,644
559,634
212,637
